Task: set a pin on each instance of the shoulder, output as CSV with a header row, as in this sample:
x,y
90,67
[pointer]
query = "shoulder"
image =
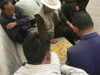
x,y
20,70
40,10
71,49
17,8
74,49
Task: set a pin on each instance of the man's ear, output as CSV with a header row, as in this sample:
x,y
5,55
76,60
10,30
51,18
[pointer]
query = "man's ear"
x,y
49,55
2,10
77,29
93,23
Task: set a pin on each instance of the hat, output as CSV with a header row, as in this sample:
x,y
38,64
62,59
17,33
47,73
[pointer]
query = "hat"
x,y
53,4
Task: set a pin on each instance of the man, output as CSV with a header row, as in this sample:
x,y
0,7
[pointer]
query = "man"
x,y
41,61
14,21
52,23
86,54
70,7
29,7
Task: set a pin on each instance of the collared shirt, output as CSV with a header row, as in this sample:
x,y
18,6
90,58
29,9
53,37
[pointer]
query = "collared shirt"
x,y
14,16
43,69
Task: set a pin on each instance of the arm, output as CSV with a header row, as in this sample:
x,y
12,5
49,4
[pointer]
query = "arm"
x,y
65,21
55,59
69,59
41,26
62,17
41,29
68,70
22,17
11,32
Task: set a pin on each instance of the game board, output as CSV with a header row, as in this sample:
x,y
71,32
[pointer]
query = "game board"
x,y
61,49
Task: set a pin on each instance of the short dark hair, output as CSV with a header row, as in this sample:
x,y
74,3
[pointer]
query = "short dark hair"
x,y
3,2
82,20
35,48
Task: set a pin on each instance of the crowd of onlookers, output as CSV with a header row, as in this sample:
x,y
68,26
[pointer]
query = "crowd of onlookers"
x,y
53,18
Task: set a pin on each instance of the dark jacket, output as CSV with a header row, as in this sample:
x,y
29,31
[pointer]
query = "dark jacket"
x,y
86,54
21,20
82,4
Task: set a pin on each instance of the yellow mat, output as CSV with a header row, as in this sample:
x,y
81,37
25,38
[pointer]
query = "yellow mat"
x,y
61,49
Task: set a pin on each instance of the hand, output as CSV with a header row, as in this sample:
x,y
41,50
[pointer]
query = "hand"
x,y
11,25
62,64
77,8
53,41
73,27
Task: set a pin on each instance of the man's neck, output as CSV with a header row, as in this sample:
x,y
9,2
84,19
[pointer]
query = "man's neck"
x,y
85,32
46,62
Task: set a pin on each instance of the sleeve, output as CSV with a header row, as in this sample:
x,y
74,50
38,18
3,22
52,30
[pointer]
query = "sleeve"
x,y
68,70
23,20
41,26
69,59
55,59
11,33
62,17
83,4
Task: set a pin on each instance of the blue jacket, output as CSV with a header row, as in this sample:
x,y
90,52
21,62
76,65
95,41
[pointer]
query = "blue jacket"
x,y
86,54
22,19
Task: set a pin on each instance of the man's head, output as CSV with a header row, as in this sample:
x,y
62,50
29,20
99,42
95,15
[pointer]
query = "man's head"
x,y
82,22
51,4
49,9
7,7
37,49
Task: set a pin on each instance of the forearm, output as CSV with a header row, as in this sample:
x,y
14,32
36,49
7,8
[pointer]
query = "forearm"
x,y
68,70
22,21
11,33
23,18
55,59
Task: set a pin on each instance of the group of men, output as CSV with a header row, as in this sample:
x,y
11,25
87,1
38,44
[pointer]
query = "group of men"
x,y
49,18
51,23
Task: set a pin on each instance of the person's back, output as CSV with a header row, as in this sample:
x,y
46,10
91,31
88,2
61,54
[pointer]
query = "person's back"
x,y
29,7
86,54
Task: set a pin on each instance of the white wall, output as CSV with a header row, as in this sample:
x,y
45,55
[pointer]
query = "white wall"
x,y
9,57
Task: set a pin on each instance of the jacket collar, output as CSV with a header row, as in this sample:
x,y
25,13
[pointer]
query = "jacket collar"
x,y
88,36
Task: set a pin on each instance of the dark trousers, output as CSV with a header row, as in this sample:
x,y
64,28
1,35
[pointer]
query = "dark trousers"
x,y
22,34
67,32
69,10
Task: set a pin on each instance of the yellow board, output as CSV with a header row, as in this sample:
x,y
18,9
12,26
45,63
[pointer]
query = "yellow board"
x,y
61,49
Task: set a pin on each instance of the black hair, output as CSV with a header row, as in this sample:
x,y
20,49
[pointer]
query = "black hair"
x,y
2,3
35,48
82,20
